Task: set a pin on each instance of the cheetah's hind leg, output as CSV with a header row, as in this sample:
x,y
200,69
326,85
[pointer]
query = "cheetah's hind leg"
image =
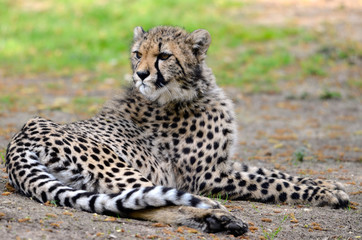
x,y
208,220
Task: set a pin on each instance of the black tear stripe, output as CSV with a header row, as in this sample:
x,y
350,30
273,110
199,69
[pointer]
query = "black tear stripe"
x,y
160,82
179,64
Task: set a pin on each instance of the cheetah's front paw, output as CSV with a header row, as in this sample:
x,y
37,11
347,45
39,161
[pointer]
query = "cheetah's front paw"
x,y
335,199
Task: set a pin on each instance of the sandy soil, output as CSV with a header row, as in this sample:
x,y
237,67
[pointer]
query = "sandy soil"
x,y
272,130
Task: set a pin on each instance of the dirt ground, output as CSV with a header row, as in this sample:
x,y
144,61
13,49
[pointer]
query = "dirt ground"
x,y
304,136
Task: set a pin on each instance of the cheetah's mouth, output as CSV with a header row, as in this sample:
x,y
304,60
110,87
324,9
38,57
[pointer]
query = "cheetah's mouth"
x,y
144,89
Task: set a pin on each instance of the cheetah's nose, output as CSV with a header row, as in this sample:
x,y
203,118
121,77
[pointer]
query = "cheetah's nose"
x,y
143,74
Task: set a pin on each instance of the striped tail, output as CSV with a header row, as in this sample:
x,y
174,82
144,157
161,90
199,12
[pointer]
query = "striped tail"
x,y
32,178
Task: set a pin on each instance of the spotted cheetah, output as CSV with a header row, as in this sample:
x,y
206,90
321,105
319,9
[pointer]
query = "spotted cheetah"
x,y
153,152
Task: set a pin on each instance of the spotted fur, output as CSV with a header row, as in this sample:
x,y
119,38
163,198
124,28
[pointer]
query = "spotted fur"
x,y
169,134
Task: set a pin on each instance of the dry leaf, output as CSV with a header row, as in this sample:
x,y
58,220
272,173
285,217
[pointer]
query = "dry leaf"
x,y
56,225
24,220
266,220
152,237
110,219
159,225
253,229
68,213
9,187
51,215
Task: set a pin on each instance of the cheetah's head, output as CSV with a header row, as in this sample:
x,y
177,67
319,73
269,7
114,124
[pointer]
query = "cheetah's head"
x,y
168,63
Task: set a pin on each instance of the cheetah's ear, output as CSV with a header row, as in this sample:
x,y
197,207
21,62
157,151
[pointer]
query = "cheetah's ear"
x,y
200,40
138,33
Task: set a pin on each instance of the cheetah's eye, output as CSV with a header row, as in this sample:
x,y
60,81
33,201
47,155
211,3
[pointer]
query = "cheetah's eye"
x,y
138,54
164,56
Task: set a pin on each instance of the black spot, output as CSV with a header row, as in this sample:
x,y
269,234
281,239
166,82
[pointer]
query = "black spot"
x,y
83,147
296,188
283,197
260,171
175,141
252,187
202,186
95,157
77,149
192,128
295,195
106,150
189,140
265,185
208,176
128,173
210,135
59,142
138,162
245,168
230,188
192,160
182,130
131,180
279,187
120,165
21,173
67,150
200,134
226,131
242,183
96,150
186,150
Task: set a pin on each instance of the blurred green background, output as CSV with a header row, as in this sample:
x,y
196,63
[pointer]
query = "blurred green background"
x,y
68,38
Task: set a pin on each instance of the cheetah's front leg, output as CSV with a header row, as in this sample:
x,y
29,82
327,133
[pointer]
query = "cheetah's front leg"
x,y
253,186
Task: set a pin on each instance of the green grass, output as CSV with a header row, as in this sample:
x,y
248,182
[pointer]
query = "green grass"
x,y
70,38
328,95
7,101
314,65
65,38
2,156
273,234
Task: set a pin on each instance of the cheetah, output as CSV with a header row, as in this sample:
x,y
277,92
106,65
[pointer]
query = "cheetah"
x,y
153,152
